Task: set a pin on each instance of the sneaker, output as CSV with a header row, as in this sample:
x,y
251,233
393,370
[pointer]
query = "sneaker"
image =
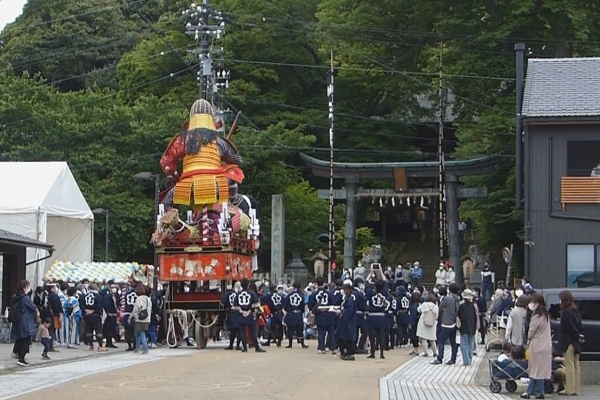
x,y
23,363
435,362
153,346
334,352
45,357
425,355
451,363
14,355
320,352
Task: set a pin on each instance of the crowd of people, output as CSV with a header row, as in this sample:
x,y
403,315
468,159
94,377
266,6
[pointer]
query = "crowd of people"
x,y
66,315
390,310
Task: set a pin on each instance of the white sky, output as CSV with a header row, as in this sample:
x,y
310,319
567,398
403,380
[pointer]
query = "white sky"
x,y
10,10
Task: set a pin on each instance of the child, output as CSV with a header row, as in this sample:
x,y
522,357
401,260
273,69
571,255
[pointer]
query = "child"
x,y
506,349
73,315
43,335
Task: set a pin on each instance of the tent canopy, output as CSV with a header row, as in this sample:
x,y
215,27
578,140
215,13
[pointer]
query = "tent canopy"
x,y
42,201
74,272
46,187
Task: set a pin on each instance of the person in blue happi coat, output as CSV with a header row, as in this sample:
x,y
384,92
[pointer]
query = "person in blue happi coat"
x,y
228,301
111,305
338,297
92,315
246,304
347,323
319,303
402,315
294,308
274,300
128,298
376,321
361,318
392,310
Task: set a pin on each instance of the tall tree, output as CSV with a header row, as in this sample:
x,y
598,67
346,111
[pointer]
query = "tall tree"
x,y
72,43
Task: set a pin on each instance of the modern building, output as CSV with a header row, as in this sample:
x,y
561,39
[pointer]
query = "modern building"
x,y
561,122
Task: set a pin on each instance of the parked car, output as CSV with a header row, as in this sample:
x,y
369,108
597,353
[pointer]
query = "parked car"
x,y
588,302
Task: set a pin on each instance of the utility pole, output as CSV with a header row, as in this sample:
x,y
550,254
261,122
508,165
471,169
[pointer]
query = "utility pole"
x,y
442,201
198,25
330,79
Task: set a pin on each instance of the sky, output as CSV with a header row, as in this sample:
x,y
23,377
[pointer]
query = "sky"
x,y
9,11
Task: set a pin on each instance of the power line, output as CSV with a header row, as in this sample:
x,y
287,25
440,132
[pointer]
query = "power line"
x,y
93,11
171,75
162,53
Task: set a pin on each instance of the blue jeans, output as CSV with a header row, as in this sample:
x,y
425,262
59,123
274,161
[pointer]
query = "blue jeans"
x,y
467,345
445,334
487,290
152,331
536,385
140,341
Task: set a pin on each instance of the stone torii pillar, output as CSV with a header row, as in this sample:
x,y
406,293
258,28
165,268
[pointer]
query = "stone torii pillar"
x,y
350,228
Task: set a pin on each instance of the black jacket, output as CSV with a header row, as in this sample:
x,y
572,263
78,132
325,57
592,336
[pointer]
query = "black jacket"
x,y
468,318
570,329
54,304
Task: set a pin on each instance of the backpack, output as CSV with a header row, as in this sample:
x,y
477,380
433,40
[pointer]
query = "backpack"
x,y
15,314
429,318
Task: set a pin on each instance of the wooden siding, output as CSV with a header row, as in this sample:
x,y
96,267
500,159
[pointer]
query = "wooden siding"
x,y
579,190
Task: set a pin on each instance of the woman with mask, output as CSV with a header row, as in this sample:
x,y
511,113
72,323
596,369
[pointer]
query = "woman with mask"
x,y
23,315
539,342
450,275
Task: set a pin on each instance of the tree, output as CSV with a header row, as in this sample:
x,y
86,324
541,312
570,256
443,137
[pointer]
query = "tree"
x,y
72,43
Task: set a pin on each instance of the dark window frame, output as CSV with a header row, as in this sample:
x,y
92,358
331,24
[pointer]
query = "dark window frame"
x,y
579,172
596,262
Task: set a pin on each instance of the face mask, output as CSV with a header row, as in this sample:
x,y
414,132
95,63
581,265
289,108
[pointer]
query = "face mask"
x,y
523,283
436,290
532,306
280,291
186,289
86,285
519,293
113,290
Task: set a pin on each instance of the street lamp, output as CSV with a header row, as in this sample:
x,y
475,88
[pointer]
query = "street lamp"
x,y
106,240
149,176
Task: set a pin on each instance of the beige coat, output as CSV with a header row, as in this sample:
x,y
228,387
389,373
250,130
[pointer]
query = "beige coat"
x,y
423,331
539,341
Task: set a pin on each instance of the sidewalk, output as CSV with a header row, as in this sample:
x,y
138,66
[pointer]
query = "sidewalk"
x,y
8,364
419,380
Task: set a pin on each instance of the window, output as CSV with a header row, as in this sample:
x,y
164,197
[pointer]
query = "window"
x,y
589,309
581,265
582,157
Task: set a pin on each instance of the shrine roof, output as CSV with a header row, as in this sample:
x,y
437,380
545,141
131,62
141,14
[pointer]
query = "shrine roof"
x,y
416,169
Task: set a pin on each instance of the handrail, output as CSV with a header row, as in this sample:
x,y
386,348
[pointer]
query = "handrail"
x,y
579,190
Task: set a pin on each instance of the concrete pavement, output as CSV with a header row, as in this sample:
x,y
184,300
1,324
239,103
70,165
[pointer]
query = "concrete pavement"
x,y
281,374
8,364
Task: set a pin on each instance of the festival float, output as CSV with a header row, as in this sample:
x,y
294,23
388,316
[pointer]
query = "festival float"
x,y
207,233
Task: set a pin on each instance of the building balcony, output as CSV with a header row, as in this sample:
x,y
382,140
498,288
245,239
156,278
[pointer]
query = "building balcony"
x,y
579,190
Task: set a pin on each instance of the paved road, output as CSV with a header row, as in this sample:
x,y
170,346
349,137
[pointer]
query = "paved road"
x,y
280,374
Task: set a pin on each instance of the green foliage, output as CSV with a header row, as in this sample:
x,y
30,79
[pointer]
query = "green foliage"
x,y
365,238
73,43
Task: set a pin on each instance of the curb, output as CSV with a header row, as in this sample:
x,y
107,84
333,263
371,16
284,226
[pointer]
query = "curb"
x,y
16,368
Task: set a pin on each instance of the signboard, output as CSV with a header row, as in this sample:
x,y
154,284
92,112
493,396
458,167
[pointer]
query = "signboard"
x,y
204,266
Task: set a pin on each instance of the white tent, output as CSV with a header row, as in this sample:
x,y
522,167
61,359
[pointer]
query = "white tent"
x,y
42,201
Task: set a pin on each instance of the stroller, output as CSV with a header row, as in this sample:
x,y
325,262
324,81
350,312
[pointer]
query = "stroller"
x,y
510,373
513,372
